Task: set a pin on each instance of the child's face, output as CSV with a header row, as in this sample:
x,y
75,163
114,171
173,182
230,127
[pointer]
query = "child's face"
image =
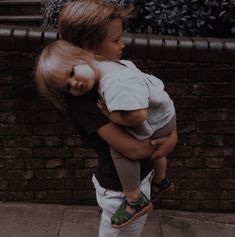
x,y
111,47
81,79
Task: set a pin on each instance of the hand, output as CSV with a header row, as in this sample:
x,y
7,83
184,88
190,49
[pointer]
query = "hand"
x,y
165,145
103,108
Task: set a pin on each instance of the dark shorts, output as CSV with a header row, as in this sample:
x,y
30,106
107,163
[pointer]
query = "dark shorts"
x,y
166,130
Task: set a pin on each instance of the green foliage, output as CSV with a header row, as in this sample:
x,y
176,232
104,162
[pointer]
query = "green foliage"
x,y
214,18
51,10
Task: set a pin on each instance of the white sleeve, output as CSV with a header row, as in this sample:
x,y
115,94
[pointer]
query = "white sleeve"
x,y
131,65
131,96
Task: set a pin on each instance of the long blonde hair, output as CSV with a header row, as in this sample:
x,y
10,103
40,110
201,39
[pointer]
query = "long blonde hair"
x,y
85,22
53,66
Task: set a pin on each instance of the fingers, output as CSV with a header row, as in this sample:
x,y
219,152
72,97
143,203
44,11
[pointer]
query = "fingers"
x,y
102,107
157,141
157,154
99,104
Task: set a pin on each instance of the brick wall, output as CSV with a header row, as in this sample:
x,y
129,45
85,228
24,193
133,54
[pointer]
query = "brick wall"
x,y
41,160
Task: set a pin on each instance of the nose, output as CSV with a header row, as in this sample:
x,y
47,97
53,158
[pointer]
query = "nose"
x,y
122,45
79,84
76,85
73,83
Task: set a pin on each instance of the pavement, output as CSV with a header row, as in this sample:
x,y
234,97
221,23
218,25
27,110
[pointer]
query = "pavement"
x,y
50,220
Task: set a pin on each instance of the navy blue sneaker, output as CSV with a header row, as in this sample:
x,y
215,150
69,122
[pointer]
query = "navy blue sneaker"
x,y
158,189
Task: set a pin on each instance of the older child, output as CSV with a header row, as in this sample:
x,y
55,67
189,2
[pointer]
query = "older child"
x,y
82,24
134,99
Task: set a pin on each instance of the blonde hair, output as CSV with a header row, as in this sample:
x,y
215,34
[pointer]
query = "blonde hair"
x,y
84,23
53,67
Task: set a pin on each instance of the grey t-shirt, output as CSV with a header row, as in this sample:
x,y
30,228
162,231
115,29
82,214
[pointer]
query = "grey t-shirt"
x,y
125,87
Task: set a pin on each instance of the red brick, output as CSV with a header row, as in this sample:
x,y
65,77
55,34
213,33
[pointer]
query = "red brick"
x,y
34,163
214,163
7,104
51,152
12,141
4,196
194,163
227,184
23,196
16,130
14,152
84,152
15,175
59,195
54,163
3,185
74,140
76,184
51,173
227,205
14,164
208,205
51,130
45,185
74,163
31,141
52,141
207,139
91,163
17,186
83,173
213,152
84,195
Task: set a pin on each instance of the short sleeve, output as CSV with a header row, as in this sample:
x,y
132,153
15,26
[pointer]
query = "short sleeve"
x,y
131,65
131,96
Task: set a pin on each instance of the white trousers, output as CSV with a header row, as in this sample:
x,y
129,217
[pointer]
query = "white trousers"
x,y
109,201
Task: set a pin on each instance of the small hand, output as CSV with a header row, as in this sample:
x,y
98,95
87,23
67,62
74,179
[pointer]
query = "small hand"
x,y
164,145
103,108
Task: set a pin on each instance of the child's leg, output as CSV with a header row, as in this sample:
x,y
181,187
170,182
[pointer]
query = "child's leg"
x,y
135,203
160,183
159,166
129,174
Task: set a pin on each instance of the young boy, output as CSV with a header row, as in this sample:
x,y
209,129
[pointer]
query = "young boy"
x,y
80,23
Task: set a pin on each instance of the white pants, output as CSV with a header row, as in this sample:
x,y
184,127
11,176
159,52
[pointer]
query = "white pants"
x,y
109,201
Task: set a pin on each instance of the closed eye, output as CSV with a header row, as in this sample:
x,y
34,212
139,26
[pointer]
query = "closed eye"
x,y
71,72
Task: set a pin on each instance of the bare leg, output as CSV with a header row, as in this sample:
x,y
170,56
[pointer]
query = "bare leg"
x,y
129,175
160,184
159,169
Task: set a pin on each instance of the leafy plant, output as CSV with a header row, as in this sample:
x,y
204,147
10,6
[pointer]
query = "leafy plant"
x,y
169,17
51,10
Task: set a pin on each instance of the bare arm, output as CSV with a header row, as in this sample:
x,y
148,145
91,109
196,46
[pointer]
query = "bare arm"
x,y
124,118
124,143
165,145
129,147
129,118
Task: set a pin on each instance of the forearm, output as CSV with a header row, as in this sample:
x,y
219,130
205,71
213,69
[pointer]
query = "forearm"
x,y
124,143
165,145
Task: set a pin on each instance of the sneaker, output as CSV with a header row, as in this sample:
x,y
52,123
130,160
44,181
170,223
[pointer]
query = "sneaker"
x,y
157,190
122,217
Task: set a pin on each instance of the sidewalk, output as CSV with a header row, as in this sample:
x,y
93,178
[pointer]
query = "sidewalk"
x,y
48,220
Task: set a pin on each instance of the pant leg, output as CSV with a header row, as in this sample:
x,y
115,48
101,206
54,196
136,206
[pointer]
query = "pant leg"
x,y
109,201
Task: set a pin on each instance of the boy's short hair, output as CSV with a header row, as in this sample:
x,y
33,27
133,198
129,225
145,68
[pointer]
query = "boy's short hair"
x,y
84,23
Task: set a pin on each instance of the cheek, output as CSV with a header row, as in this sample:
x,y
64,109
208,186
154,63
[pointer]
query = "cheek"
x,y
100,50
